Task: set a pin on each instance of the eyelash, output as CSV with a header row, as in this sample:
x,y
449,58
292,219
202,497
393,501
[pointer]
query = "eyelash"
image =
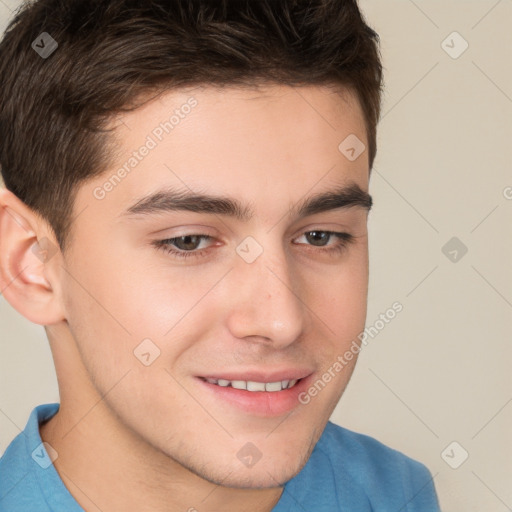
x,y
345,239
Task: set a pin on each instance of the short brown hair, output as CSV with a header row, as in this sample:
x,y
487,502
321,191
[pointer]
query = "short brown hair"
x,y
53,111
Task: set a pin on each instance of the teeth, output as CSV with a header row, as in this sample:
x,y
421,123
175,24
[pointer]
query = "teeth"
x,y
274,386
254,386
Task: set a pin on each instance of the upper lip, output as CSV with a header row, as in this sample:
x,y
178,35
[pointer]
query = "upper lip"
x,y
259,376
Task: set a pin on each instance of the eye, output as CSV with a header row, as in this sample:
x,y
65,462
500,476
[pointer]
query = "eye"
x,y
188,245
319,237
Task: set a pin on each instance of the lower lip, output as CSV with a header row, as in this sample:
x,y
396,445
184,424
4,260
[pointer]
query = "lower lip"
x,y
260,403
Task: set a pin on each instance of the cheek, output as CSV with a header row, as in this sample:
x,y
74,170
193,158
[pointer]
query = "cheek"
x,y
126,310
342,298
108,314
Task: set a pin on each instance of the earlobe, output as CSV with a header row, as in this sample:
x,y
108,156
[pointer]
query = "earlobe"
x,y
26,254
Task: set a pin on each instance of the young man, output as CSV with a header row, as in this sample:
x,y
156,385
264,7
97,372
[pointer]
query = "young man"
x,y
185,212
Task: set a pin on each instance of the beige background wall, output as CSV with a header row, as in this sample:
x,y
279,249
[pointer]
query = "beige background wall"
x,y
439,372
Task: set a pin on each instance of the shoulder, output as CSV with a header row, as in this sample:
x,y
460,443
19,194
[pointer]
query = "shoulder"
x,y
365,450
387,476
27,476
17,481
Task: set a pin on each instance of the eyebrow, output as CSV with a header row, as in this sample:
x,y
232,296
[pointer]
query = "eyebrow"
x,y
167,200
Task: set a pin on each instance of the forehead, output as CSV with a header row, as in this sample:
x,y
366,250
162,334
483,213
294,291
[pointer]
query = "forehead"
x,y
229,121
261,144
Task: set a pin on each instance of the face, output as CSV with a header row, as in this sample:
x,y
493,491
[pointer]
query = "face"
x,y
167,298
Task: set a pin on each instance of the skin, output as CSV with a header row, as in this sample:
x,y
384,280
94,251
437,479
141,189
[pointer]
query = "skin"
x,y
152,431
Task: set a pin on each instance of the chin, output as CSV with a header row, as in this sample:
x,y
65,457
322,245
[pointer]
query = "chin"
x,y
267,472
262,477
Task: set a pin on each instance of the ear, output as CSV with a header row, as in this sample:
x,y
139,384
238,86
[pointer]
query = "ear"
x,y
29,262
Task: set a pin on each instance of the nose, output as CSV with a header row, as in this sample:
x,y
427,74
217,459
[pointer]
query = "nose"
x,y
266,305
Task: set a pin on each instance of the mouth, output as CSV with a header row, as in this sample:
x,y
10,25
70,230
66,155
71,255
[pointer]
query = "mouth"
x,y
254,386
267,397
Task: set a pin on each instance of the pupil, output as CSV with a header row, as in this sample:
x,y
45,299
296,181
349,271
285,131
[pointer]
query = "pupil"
x,y
187,243
315,236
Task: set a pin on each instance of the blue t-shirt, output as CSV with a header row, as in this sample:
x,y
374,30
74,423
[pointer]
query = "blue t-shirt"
x,y
347,472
